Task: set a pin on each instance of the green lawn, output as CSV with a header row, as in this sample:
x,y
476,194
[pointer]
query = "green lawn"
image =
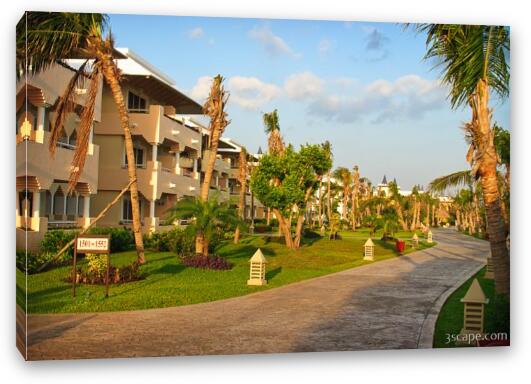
x,y
450,320
169,283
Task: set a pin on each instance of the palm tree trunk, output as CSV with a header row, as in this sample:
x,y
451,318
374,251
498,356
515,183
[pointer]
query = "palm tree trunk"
x,y
110,73
320,208
491,194
329,200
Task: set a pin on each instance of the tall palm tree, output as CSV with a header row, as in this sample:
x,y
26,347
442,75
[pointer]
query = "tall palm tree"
x,y
242,179
343,174
48,38
275,143
474,62
355,193
328,148
215,109
207,217
272,129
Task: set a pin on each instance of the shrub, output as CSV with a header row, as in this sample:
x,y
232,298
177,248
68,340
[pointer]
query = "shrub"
x,y
96,265
97,273
122,239
206,262
262,228
56,239
309,234
36,260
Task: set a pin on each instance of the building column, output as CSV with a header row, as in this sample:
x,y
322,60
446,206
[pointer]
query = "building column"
x,y
39,134
196,174
86,211
91,140
35,217
154,152
152,218
177,160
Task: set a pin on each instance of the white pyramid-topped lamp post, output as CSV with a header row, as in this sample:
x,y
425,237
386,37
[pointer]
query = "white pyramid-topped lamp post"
x,y
430,237
415,241
257,269
474,314
368,250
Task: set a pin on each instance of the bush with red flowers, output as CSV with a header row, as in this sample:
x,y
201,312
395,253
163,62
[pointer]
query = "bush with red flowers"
x,y
206,262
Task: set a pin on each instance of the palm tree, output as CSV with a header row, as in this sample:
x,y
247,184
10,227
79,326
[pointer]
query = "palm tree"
x,y
242,179
275,143
355,192
45,39
343,174
328,148
214,108
272,128
207,217
474,62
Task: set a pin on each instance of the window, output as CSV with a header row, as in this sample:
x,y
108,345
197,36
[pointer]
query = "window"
x,y
136,103
127,209
139,157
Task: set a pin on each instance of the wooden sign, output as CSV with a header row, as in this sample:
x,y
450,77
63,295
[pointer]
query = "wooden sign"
x,y
100,244
93,244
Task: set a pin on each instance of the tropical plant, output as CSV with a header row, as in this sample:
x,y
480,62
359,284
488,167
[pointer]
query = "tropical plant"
x,y
286,183
243,172
388,222
343,175
474,62
214,108
207,218
272,129
48,38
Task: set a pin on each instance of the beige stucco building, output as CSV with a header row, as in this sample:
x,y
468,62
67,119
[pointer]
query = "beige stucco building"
x,y
41,200
170,147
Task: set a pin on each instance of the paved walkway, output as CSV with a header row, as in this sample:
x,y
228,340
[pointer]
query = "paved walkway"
x,y
384,305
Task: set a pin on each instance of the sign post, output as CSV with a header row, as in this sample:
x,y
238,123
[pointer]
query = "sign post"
x,y
100,244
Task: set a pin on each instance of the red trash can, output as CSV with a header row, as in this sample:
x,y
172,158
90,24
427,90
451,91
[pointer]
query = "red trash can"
x,y
400,246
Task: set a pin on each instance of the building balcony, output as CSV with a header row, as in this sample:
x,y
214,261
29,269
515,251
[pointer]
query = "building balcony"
x,y
35,160
221,165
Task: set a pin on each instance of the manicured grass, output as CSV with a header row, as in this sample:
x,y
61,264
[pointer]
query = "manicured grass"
x,y
450,320
169,283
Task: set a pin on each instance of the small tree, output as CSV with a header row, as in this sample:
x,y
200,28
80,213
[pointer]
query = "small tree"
x,y
286,182
207,217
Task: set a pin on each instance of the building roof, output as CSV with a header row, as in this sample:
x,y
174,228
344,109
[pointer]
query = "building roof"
x,y
384,180
141,74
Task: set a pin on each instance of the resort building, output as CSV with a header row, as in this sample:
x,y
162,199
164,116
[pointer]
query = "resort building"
x,y
170,147
167,146
41,180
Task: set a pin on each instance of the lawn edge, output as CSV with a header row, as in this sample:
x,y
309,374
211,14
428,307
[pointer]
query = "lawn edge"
x,y
427,331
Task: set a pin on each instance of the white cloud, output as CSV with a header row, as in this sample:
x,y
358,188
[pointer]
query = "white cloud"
x,y
408,97
251,92
325,46
201,88
196,33
274,45
303,85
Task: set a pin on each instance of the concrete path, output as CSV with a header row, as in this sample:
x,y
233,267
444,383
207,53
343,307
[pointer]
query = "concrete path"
x,y
384,305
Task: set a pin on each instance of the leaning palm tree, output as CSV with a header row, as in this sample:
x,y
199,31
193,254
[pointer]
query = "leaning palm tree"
x,y
242,179
215,109
207,217
45,39
474,62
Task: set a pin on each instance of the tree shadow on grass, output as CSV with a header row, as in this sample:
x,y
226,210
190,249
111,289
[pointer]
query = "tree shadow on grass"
x,y
167,269
272,273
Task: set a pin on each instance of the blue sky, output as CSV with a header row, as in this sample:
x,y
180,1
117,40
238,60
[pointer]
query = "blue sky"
x,y
363,86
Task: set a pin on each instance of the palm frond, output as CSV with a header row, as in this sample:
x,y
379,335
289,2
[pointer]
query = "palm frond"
x,y
443,183
65,105
43,38
85,126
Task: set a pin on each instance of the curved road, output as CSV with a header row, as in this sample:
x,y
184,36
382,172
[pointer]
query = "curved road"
x,y
383,305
